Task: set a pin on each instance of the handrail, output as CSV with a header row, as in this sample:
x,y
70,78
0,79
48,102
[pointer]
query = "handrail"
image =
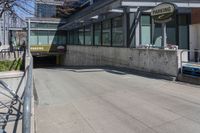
x,y
26,120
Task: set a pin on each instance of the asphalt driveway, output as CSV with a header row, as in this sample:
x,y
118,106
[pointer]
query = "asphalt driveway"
x,y
109,101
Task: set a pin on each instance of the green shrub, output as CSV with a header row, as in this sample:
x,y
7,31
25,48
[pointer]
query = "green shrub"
x,y
8,65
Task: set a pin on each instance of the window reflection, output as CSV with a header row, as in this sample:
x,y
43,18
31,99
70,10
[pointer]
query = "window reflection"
x,y
117,32
97,34
106,33
88,35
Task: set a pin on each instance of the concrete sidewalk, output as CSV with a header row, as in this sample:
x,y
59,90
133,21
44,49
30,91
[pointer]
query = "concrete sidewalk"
x,y
109,101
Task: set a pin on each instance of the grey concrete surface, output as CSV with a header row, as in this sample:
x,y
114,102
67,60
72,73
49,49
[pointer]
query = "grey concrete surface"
x,y
13,83
150,60
108,101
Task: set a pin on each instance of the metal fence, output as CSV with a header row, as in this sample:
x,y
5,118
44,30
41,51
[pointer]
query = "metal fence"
x,y
8,110
27,100
6,54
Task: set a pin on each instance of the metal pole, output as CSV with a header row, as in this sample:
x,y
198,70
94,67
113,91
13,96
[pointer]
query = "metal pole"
x,y
164,35
26,120
4,28
29,34
1,39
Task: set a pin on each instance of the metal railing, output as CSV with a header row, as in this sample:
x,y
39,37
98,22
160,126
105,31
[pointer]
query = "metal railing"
x,y
6,53
189,57
26,121
23,100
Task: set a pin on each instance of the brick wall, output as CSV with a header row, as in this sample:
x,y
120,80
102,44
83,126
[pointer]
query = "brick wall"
x,y
195,16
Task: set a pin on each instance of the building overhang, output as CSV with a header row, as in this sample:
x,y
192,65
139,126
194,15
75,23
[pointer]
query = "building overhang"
x,y
180,4
99,10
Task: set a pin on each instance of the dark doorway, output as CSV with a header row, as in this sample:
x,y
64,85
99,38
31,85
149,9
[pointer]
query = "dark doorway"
x,y
44,61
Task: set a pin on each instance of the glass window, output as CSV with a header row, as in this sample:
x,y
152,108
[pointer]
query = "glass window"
x,y
81,36
43,37
42,25
53,26
46,10
33,38
183,32
97,34
157,35
61,39
76,37
106,33
88,35
33,25
52,37
132,40
145,29
171,32
117,32
71,37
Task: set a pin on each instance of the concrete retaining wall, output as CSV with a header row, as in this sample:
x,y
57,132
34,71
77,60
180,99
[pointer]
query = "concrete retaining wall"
x,y
150,60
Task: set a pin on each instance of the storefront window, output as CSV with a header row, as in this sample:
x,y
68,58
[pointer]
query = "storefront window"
x,y
33,38
97,34
106,35
81,36
145,29
117,32
88,35
183,32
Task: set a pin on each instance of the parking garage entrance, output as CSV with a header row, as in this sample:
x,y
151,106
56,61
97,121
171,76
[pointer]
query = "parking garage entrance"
x,y
46,61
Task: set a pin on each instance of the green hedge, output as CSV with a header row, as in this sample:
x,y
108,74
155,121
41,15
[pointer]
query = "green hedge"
x,y
7,65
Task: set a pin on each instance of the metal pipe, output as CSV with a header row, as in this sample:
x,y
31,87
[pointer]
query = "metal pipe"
x,y
26,121
4,28
29,34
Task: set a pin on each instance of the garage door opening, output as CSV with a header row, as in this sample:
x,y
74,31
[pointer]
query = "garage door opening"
x,y
45,61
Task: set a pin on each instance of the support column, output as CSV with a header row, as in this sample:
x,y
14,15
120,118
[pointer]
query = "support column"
x,y
164,35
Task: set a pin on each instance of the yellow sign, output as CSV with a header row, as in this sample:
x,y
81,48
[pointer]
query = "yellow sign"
x,y
45,48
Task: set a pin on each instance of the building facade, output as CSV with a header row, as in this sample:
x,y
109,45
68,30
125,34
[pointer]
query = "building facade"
x,y
119,33
45,35
9,27
123,33
107,25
